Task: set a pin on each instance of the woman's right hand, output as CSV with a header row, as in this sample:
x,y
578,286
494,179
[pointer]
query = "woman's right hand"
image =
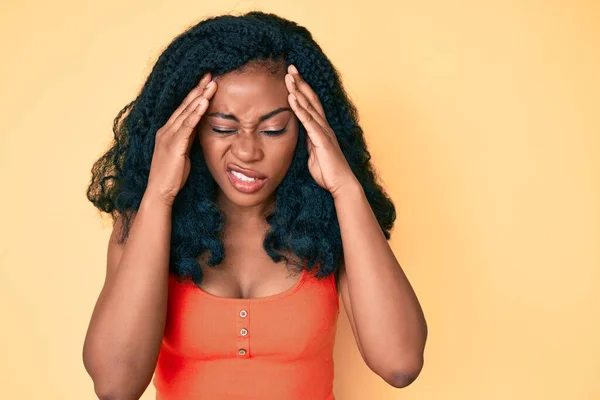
x,y
171,165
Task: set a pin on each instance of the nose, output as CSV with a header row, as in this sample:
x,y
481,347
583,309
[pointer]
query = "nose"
x,y
247,147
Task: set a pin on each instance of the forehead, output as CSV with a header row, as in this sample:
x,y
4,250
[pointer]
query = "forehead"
x,y
250,93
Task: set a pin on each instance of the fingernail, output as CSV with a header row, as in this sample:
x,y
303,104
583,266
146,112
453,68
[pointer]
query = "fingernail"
x,y
210,84
294,69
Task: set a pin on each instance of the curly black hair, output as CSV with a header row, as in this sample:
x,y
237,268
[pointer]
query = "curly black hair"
x,y
303,221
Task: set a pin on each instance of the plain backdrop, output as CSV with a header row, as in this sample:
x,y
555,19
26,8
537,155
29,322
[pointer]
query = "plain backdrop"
x,y
482,119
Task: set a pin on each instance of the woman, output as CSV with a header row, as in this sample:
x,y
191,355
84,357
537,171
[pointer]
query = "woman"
x,y
244,201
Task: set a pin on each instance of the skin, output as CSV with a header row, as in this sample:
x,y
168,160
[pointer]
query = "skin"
x,y
384,312
247,96
123,340
241,126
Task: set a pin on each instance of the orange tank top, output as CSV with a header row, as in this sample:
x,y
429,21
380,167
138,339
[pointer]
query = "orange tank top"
x,y
275,347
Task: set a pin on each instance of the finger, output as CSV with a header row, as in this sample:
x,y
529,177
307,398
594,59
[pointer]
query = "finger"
x,y
313,129
192,95
183,129
207,94
302,86
192,121
304,103
186,131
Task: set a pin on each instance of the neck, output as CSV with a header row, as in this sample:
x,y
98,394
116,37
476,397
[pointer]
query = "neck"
x,y
244,215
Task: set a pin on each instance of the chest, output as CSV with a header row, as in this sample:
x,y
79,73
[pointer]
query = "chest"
x,y
247,272
298,322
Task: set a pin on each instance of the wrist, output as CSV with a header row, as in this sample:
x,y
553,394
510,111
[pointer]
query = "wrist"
x,y
351,189
154,201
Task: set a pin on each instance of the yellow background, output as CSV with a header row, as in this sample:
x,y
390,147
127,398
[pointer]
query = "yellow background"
x,y
482,119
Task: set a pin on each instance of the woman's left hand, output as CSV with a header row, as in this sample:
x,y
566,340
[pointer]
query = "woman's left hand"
x,y
326,162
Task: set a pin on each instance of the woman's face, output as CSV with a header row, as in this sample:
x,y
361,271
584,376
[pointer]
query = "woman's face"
x,y
248,135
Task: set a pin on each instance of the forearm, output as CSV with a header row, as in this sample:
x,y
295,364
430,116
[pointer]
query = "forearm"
x,y
387,314
129,320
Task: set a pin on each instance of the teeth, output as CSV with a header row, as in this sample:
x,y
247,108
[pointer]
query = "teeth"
x,y
242,177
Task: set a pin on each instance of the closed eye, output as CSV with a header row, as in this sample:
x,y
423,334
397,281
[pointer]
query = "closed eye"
x,y
274,133
268,133
222,131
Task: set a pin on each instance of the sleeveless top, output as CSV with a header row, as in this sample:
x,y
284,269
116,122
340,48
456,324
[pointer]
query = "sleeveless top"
x,y
274,347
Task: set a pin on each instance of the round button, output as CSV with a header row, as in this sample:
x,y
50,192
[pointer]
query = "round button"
x,y
243,331
242,352
243,313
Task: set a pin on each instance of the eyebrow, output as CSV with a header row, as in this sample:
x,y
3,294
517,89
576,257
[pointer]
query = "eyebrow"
x,y
260,119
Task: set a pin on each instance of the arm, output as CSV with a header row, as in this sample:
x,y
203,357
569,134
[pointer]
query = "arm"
x,y
384,312
123,340
385,315
125,332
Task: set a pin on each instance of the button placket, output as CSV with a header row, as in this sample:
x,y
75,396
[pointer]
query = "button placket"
x,y
243,331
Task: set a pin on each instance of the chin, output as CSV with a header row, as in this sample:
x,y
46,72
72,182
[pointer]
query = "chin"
x,y
248,200
262,197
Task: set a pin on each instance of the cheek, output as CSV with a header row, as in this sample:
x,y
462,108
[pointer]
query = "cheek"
x,y
283,154
293,139
210,151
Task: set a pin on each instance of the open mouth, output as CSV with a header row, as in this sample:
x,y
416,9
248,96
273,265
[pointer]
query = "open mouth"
x,y
244,182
